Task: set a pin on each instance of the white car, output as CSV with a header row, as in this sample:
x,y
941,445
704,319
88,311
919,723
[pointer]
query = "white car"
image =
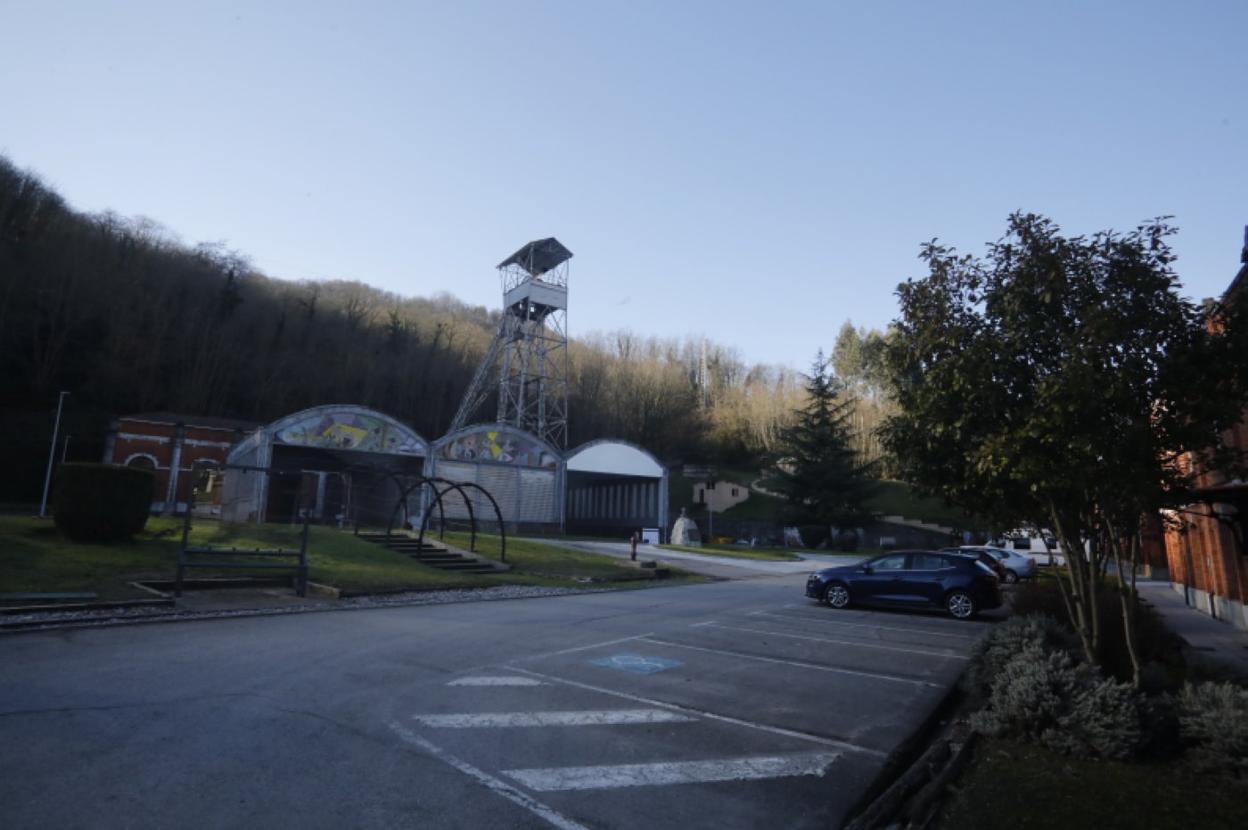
x,y
1016,565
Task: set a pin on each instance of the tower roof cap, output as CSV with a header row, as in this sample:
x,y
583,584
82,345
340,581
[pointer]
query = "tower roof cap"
x,y
539,256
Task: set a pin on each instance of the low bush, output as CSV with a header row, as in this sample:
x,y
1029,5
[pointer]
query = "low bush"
x,y
1042,694
1007,640
1103,721
101,502
847,541
1213,718
813,535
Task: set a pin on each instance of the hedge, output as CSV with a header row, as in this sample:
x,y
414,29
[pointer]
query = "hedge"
x,y
102,502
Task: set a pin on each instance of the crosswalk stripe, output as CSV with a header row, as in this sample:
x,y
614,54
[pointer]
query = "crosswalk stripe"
x,y
495,681
677,772
599,717
495,785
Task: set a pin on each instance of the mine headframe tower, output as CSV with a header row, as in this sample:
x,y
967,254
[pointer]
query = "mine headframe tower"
x,y
528,359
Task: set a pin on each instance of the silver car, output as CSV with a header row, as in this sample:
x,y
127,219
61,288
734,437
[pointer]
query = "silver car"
x,y
1016,565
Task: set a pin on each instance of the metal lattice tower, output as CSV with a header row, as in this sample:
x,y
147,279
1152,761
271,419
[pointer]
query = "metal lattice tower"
x,y
528,359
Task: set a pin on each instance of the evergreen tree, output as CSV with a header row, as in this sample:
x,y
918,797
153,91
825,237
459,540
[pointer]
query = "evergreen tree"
x,y
818,470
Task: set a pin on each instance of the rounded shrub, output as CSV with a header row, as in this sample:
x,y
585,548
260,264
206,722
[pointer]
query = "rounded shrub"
x,y
1213,718
1044,695
813,535
1005,642
101,502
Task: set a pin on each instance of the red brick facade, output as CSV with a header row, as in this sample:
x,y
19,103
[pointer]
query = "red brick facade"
x,y
169,445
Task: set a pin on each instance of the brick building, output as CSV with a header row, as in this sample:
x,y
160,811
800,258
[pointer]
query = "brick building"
x,y
169,444
1208,559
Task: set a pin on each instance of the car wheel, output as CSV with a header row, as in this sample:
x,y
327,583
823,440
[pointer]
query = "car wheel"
x,y
960,605
1010,577
836,595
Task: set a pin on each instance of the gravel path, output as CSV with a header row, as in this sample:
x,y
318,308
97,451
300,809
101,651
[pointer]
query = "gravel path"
x,y
124,616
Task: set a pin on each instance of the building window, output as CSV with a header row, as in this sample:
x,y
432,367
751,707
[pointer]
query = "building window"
x,y
734,492
141,462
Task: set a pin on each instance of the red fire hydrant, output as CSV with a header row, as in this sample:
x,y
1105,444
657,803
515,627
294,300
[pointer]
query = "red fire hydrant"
x,y
632,543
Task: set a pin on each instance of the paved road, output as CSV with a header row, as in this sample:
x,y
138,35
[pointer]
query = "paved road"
x,y
733,704
723,567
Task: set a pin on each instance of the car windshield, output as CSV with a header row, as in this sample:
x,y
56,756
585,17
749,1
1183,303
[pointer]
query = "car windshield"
x,y
983,567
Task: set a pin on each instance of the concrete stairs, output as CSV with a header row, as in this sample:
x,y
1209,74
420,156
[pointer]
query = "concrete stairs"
x,y
434,554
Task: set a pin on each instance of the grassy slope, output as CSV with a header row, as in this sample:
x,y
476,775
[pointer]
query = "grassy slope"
x,y
891,498
896,498
34,557
1019,786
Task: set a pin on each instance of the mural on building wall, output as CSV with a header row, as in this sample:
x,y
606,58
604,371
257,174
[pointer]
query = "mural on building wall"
x,y
501,448
349,431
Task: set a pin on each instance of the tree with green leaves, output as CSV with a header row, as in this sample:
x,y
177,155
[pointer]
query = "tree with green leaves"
x,y
818,470
1063,382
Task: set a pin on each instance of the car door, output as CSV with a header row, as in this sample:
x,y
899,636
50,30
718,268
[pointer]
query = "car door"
x,y
884,583
924,582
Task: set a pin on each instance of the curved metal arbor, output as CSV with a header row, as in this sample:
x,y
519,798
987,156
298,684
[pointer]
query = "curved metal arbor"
x,y
459,487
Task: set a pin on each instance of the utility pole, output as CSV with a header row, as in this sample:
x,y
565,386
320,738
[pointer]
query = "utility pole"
x,y
56,428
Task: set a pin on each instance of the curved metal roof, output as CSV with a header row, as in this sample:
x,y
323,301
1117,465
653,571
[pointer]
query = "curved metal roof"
x,y
607,455
539,256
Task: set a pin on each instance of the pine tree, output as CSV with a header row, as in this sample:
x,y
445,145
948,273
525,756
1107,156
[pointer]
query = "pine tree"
x,y
818,471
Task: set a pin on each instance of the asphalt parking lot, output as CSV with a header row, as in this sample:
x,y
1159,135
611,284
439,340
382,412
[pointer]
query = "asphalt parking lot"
x,y
768,716
732,704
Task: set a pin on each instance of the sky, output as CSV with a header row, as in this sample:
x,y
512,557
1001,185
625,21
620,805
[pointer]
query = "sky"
x,y
756,173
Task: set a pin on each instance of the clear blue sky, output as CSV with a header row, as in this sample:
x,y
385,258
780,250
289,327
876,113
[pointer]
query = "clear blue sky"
x,y
756,173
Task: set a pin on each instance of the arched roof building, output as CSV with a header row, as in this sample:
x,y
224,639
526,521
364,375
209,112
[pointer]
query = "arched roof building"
x,y
346,446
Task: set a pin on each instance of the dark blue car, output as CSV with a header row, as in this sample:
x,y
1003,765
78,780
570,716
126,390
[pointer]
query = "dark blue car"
x,y
961,585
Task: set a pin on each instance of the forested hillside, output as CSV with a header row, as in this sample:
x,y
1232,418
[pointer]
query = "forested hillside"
x,y
128,318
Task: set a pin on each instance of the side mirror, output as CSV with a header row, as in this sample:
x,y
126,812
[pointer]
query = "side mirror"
x,y
867,569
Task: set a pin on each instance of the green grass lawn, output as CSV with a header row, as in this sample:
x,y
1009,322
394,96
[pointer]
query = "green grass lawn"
x,y
891,498
34,557
775,554
541,562
1017,786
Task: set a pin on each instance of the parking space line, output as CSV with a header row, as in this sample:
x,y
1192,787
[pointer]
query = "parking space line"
x,y
797,663
673,772
589,647
873,614
675,707
852,643
906,630
598,717
511,680
495,785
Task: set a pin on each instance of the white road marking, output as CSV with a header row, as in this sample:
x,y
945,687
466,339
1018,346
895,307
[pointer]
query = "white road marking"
x,y
852,643
797,663
830,622
598,717
680,772
495,681
702,713
588,647
495,785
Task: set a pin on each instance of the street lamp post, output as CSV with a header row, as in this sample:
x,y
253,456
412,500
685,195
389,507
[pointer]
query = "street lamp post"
x,y
56,428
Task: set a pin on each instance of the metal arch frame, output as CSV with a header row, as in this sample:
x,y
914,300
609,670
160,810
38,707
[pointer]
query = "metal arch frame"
x,y
459,487
498,514
399,481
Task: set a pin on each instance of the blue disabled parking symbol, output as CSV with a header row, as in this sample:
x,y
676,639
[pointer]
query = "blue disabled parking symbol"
x,y
636,663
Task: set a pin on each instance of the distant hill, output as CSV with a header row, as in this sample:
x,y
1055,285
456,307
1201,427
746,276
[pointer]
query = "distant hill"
x,y
129,319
